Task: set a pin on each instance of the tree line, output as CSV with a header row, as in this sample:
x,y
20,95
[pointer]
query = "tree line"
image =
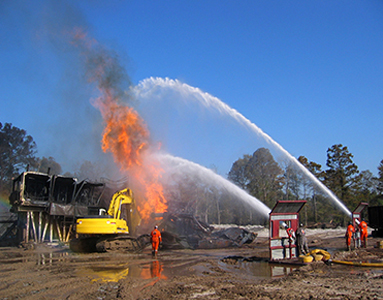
x,y
269,181
18,153
258,174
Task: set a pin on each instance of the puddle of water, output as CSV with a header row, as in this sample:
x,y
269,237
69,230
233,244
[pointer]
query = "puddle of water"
x,y
113,267
49,258
170,264
113,273
257,269
107,273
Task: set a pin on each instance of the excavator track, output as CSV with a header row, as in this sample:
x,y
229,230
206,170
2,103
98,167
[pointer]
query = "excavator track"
x,y
84,244
123,244
120,243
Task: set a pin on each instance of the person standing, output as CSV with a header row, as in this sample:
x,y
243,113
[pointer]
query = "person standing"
x,y
290,234
156,239
349,234
291,238
301,241
363,233
357,234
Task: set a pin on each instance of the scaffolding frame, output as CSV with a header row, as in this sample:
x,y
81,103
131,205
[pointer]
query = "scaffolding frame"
x,y
47,205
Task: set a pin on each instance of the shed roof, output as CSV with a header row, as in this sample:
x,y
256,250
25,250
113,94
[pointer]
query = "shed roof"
x,y
288,206
361,206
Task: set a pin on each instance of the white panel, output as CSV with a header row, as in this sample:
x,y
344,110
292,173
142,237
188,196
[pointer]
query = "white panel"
x,y
277,253
284,217
275,243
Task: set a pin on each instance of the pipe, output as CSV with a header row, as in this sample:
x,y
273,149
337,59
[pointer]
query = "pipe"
x,y
45,229
51,220
58,230
33,226
27,228
40,227
69,232
357,264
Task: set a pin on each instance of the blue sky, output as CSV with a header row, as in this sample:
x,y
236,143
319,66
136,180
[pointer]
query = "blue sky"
x,y
308,73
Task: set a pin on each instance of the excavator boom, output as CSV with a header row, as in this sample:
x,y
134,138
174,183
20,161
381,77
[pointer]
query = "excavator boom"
x,y
124,196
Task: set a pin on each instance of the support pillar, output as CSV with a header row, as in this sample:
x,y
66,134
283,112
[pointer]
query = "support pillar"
x,y
33,226
51,229
40,227
26,237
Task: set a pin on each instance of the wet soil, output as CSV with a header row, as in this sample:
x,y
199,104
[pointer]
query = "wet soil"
x,y
54,272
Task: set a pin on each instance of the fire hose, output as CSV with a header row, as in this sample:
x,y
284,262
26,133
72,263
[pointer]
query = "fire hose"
x,y
357,264
319,254
316,255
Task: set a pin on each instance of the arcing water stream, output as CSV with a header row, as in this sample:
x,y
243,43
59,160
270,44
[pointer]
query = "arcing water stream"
x,y
176,165
148,86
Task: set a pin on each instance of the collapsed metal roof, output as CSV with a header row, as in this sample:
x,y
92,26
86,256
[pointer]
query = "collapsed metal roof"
x,y
180,231
39,190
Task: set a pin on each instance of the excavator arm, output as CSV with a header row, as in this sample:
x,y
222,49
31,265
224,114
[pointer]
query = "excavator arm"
x,y
124,196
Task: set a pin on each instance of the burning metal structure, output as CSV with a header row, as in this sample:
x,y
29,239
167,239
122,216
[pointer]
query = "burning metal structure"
x,y
185,231
46,208
47,205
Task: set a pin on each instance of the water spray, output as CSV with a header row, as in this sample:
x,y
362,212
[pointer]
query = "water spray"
x,y
149,85
173,164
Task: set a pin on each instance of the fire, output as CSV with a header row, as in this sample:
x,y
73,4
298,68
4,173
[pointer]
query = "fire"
x,y
125,135
148,177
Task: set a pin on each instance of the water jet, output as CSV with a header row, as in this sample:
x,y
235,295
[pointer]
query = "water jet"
x,y
176,165
159,87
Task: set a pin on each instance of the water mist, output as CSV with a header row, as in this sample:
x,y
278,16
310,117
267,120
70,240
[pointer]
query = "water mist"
x,y
176,165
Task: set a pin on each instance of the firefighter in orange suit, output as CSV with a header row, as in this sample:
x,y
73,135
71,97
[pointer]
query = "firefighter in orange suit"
x,y
155,238
349,234
363,233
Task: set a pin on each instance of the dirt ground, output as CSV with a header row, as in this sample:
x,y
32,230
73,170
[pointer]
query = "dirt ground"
x,y
54,272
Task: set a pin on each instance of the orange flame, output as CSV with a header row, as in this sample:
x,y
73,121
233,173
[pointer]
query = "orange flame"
x,y
125,134
127,138
155,199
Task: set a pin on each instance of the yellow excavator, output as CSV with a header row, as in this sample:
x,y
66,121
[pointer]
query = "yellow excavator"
x,y
109,231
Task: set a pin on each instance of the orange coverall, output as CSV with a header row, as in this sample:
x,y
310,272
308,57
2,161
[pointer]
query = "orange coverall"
x,y
363,233
350,231
156,239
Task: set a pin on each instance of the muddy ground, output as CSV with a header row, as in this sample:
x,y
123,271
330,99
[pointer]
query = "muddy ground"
x,y
54,272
